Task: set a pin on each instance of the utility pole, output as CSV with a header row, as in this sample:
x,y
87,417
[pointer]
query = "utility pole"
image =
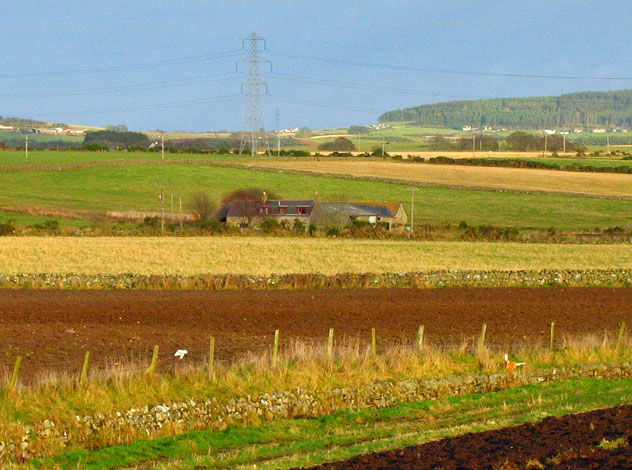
x,y
412,209
163,146
26,147
181,212
564,141
608,142
474,145
255,87
161,198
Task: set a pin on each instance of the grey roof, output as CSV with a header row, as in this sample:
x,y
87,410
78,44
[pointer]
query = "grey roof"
x,y
347,208
380,211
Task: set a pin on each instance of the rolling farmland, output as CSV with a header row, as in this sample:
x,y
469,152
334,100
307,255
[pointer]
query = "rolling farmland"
x,y
513,179
125,186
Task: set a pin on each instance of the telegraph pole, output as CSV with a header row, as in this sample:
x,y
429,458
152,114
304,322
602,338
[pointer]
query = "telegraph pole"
x,y
163,145
254,88
26,147
181,212
412,209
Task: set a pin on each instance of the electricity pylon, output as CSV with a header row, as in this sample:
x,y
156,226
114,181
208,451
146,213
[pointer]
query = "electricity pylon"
x,y
254,135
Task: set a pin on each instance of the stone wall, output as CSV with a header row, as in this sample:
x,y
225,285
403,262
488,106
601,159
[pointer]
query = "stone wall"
x,y
427,279
179,417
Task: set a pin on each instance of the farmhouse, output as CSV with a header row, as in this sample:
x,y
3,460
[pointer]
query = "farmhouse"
x,y
251,213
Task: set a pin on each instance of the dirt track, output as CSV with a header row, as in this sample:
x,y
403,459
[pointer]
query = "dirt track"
x,y
569,442
53,328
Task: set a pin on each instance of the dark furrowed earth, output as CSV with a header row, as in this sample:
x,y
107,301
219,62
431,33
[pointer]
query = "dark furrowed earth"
x,y
52,329
594,440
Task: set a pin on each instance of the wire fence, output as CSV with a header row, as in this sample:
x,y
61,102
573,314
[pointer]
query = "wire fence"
x,y
28,371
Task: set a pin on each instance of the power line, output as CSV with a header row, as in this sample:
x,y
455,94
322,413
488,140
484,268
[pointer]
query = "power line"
x,y
336,83
326,105
147,85
119,68
175,104
445,71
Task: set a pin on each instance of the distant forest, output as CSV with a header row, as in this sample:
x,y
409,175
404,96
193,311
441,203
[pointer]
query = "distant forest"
x,y
585,109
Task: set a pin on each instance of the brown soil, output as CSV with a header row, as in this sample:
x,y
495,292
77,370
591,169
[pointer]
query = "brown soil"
x,y
52,329
569,442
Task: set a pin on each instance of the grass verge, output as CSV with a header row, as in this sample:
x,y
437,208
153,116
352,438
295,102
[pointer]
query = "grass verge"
x,y
108,397
342,435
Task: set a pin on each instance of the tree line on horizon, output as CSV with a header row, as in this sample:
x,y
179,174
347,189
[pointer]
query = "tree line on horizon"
x,y
584,109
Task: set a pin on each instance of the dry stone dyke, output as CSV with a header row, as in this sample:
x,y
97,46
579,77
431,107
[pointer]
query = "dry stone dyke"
x,y
210,413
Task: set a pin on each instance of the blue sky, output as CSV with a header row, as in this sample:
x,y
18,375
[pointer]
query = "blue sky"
x,y
171,64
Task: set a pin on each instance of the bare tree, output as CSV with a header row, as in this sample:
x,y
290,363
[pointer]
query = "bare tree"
x,y
202,206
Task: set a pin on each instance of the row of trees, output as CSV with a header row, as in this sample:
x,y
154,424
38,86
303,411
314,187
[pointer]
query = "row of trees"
x,y
518,141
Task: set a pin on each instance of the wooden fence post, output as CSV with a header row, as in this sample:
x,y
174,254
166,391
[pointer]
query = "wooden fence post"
x,y
373,344
211,356
330,344
84,370
621,333
275,350
16,372
481,339
420,338
552,339
154,361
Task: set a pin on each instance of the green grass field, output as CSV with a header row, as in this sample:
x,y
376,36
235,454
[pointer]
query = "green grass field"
x,y
135,187
12,157
304,442
8,136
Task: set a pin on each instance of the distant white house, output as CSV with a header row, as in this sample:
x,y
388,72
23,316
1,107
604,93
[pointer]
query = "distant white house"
x,y
550,131
6,128
467,128
598,131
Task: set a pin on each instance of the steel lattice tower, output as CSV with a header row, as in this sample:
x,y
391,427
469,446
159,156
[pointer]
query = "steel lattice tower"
x,y
254,135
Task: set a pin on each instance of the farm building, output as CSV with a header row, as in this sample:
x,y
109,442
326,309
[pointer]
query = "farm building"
x,y
251,213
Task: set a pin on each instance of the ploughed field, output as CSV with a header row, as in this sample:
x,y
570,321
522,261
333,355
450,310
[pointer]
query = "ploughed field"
x,y
52,329
593,440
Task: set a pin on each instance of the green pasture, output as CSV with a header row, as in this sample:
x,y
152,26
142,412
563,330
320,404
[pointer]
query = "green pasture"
x,y
136,187
8,136
53,157
305,442
23,220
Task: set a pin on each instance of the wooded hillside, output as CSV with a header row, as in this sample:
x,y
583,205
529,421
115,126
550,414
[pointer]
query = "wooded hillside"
x,y
585,109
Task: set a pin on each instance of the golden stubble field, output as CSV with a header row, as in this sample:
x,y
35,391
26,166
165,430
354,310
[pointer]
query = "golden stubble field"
x,y
264,256
515,179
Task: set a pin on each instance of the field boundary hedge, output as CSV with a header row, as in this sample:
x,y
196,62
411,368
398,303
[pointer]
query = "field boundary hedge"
x,y
530,164
421,280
